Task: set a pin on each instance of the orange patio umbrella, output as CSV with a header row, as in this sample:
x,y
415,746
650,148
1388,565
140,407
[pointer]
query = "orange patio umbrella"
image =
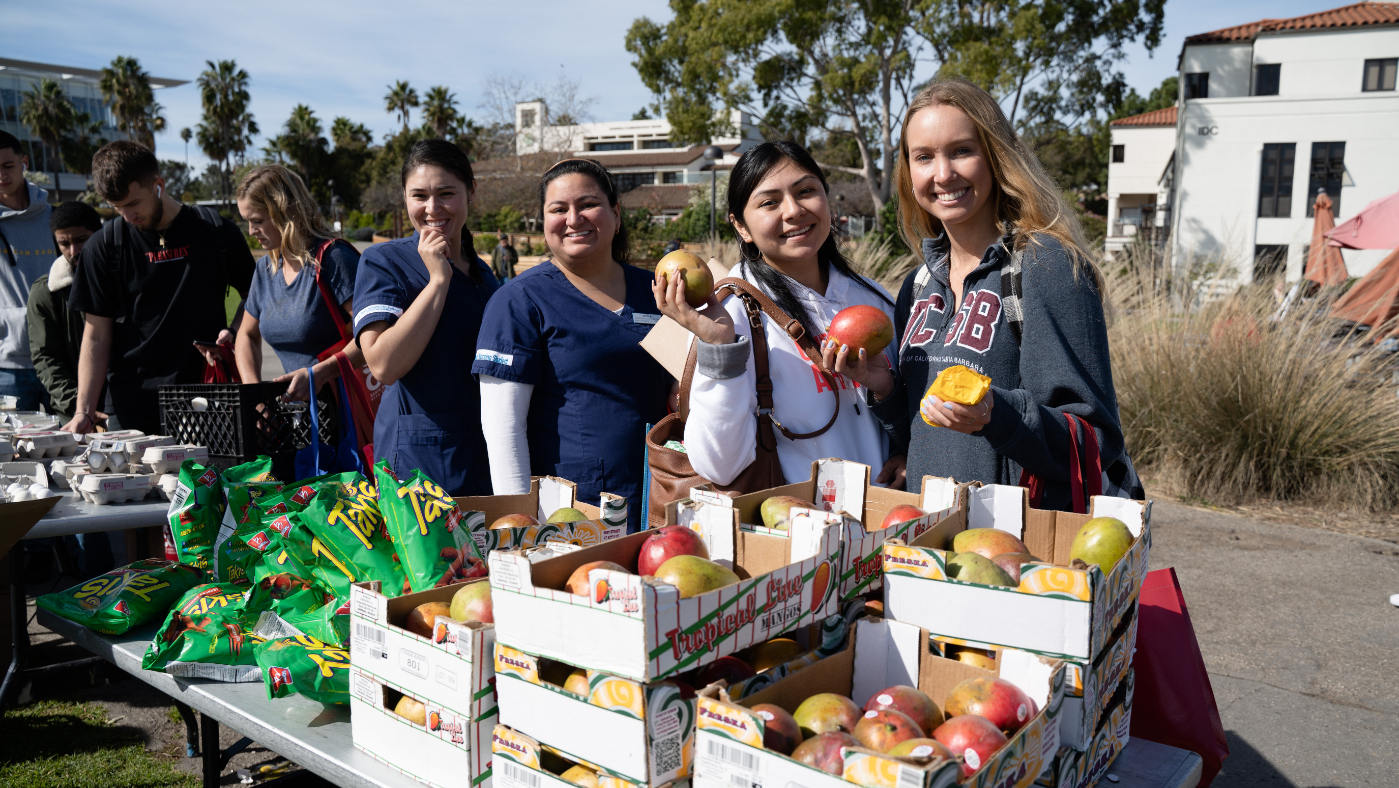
x,y
1324,263
1374,300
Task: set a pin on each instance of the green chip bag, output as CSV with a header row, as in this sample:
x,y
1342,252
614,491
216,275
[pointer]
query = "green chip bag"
x,y
195,511
329,623
208,635
304,665
243,486
426,527
125,597
349,546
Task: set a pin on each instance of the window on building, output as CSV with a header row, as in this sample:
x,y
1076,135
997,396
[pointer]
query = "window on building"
x,y
673,177
1275,180
527,117
1265,79
1328,169
626,181
1197,86
1269,261
9,105
1118,153
1379,74
610,145
649,144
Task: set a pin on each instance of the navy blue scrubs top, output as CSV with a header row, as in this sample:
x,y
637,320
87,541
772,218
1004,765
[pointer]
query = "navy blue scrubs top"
x,y
595,388
430,418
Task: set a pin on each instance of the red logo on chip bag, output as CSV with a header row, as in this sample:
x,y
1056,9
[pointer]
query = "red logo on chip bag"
x,y
278,508
282,525
259,541
304,495
122,608
210,476
280,677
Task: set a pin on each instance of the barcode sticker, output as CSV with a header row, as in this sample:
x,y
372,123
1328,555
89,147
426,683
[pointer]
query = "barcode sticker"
x,y
666,745
514,773
727,763
910,777
369,640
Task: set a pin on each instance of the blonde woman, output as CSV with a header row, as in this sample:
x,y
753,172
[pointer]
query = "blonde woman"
x,y
1007,289
285,304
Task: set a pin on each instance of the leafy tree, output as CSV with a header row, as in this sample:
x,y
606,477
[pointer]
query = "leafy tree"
x,y
345,133
83,140
127,89
186,135
347,163
227,128
302,141
440,111
48,113
641,114
401,99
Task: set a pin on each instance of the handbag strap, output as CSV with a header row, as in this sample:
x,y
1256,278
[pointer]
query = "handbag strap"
x,y
1085,467
757,304
330,304
315,420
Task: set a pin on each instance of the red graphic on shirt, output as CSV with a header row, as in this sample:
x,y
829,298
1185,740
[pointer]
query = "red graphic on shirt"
x,y
974,326
821,385
168,255
918,330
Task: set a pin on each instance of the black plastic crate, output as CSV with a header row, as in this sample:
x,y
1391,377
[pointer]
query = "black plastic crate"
x,y
242,420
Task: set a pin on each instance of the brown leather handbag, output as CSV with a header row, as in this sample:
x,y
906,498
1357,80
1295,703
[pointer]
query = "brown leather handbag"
x,y
671,473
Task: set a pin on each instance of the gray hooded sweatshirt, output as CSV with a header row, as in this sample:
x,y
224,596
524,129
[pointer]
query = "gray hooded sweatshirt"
x,y
26,252
1058,363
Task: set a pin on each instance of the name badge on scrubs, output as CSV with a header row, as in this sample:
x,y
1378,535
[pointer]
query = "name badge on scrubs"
x,y
639,317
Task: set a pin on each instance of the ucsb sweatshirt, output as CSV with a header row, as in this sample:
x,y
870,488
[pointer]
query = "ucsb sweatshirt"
x,y
26,252
722,428
1059,363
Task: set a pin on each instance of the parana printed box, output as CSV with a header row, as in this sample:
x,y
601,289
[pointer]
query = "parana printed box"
x,y
547,494
1072,768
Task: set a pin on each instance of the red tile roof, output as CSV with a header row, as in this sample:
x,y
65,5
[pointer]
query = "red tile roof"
x,y
1356,15
1156,117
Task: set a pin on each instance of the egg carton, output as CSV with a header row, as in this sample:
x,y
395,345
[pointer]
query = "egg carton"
x,y
63,470
166,483
19,491
115,435
108,456
29,472
30,419
166,459
40,444
105,488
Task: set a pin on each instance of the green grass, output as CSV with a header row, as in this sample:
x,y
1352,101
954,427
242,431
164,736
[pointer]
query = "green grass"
x,y
230,303
56,743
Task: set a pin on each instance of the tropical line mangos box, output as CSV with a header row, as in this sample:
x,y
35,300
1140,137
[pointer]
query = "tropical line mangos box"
x,y
1056,610
641,628
521,761
547,494
1073,768
641,732
843,486
729,738
455,668
440,747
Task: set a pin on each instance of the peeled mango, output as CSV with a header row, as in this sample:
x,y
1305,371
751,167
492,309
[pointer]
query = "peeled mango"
x,y
1102,541
959,384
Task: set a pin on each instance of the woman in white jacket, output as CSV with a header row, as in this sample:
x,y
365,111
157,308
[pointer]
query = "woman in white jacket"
x,y
778,206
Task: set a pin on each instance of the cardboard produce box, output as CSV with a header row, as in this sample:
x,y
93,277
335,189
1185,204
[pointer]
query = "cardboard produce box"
x,y
442,753
452,672
640,732
1072,768
524,762
844,486
547,494
729,739
17,518
642,629
1056,611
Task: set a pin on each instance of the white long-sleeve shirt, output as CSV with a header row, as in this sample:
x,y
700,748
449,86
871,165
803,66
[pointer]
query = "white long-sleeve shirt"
x,y
721,431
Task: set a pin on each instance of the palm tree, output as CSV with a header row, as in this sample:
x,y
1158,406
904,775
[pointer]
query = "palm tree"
x,y
186,135
401,99
440,110
127,88
227,128
84,140
348,134
48,113
302,141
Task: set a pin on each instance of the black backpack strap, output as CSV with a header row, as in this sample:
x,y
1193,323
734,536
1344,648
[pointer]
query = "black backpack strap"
x,y
214,221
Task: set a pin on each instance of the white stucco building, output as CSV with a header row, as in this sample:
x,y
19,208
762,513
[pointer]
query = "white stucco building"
x,y
1270,112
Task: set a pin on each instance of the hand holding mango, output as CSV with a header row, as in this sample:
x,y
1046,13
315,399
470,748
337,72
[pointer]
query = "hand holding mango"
x,y
958,384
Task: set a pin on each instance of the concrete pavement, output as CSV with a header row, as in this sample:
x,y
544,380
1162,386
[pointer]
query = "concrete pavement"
x,y
1301,643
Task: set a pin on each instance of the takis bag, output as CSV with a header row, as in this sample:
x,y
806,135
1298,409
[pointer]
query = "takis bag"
x,y
125,597
433,547
349,546
196,509
304,665
243,486
208,635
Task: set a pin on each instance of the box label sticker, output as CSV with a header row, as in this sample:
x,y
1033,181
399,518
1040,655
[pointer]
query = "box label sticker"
x,y
413,663
512,775
667,746
730,765
364,689
505,575
365,605
369,641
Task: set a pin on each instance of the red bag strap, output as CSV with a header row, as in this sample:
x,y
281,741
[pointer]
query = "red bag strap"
x,y
325,291
1075,468
1085,467
360,408
1092,462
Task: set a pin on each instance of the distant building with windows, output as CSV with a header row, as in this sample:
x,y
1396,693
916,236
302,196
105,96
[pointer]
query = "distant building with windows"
x,y
638,153
1269,113
18,77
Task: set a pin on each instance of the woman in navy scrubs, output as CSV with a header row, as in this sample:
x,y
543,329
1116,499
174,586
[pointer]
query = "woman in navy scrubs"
x,y
566,389
419,302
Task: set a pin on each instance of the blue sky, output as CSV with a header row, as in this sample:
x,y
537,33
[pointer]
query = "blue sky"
x,y
340,57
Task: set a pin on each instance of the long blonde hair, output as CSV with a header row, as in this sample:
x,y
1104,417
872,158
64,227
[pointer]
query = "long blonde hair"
x,y
1025,198
279,193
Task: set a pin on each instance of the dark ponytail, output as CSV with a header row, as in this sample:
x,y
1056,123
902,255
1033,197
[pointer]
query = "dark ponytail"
x,y
750,170
621,244
440,153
